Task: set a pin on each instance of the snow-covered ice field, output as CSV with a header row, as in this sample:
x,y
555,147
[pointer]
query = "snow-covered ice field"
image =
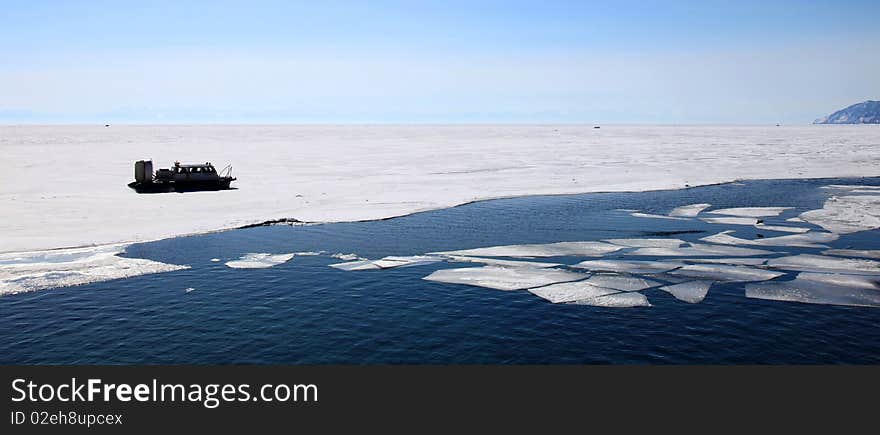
x,y
64,186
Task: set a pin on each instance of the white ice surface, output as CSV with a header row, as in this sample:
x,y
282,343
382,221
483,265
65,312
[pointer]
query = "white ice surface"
x,y
38,270
699,249
847,214
388,262
356,265
617,300
504,278
327,173
782,229
585,249
647,243
820,289
747,261
499,262
725,273
822,263
730,220
866,253
627,266
393,261
622,283
689,210
259,261
751,211
347,257
805,240
571,291
691,291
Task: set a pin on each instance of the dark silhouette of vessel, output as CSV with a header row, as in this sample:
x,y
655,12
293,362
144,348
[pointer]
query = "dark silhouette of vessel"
x,y
180,178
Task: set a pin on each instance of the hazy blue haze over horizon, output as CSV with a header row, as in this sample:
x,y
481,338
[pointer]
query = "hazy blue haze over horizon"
x,y
435,62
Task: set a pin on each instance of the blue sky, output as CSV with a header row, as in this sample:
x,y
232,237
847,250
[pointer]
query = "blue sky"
x,y
435,62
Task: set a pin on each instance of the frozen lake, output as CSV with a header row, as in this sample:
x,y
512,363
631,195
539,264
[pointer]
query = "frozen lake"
x,y
240,296
65,185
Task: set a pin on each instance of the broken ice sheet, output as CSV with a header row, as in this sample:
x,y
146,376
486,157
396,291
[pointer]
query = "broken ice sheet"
x,y
356,265
689,210
559,249
504,278
259,261
866,253
499,262
647,243
730,220
692,292
751,211
617,300
347,257
806,240
622,283
628,266
725,273
847,214
782,229
822,263
39,270
405,261
749,261
570,292
819,289
697,250
388,262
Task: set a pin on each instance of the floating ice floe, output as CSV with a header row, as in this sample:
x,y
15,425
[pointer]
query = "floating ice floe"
x,y
188,289
647,243
861,281
308,253
389,262
747,261
851,187
847,214
559,249
689,210
622,283
751,211
806,240
725,273
571,292
393,261
782,229
627,266
822,263
865,253
692,292
730,220
698,250
817,288
657,216
504,278
795,219
215,260
356,265
499,262
347,257
617,300
259,261
39,270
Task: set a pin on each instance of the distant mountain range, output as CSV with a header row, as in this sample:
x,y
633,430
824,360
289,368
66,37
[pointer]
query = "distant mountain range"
x,y
867,112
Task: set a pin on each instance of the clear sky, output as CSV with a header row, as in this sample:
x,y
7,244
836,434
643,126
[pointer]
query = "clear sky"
x,y
435,62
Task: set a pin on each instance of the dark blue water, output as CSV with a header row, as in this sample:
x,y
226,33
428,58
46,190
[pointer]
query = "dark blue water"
x,y
304,312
